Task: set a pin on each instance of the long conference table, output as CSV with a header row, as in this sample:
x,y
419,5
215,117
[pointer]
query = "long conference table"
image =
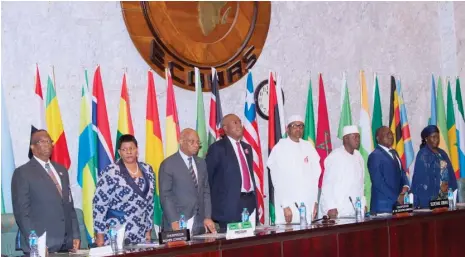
x,y
422,234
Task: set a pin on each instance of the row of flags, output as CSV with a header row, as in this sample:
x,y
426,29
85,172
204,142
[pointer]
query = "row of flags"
x,y
96,150
450,121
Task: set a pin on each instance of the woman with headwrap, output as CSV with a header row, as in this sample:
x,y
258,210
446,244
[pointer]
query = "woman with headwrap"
x,y
433,174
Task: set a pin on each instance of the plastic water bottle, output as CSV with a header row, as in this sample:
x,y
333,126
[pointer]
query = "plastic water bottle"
x,y
33,238
245,215
182,222
450,197
406,198
358,209
113,237
303,214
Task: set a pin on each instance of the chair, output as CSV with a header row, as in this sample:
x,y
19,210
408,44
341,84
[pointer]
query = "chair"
x,y
9,231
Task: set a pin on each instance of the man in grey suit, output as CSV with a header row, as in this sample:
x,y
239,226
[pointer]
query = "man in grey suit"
x,y
184,187
42,199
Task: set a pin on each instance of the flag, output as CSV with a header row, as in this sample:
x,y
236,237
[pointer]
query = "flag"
x,y
274,134
433,118
216,114
409,154
460,123
124,117
104,148
366,139
441,119
8,161
395,122
60,152
452,132
153,146
39,121
279,97
200,125
309,129
172,122
323,133
345,119
377,118
87,168
252,137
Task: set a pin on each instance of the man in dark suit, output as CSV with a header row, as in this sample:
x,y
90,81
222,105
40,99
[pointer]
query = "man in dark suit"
x,y
184,187
230,173
42,199
389,183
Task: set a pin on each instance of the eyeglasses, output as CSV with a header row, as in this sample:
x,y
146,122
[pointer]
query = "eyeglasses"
x,y
44,142
130,149
294,126
194,142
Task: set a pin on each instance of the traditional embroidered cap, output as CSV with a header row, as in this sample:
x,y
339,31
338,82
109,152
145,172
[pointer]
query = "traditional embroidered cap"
x,y
349,130
294,118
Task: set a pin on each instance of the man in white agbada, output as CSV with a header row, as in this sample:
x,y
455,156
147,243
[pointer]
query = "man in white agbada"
x,y
295,168
343,177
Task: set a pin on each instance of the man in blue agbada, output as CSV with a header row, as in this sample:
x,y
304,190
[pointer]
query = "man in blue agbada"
x,y
433,174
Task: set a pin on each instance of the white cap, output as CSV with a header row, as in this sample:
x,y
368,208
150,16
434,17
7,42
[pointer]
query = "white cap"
x,y
294,118
349,130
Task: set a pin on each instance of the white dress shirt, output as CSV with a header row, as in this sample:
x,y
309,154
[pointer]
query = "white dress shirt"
x,y
186,161
233,142
42,163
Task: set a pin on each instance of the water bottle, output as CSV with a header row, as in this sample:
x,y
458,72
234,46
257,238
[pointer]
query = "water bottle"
x,y
33,238
182,222
303,214
450,197
245,215
358,209
406,198
113,237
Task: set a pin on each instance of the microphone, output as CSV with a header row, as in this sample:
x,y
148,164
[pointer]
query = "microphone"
x,y
325,217
353,206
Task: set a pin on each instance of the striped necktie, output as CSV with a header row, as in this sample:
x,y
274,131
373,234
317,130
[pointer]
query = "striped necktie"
x,y
191,170
53,177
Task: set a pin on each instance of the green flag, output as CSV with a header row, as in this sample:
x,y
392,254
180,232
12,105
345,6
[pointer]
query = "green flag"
x,y
346,115
309,129
201,126
377,118
441,116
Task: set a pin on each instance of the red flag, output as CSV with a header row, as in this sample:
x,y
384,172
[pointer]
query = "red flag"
x,y
274,134
323,134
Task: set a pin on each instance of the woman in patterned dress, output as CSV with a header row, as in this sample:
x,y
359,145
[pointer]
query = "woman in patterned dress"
x,y
124,194
433,173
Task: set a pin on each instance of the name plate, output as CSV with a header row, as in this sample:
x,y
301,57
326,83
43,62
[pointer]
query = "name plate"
x,y
436,204
404,208
174,236
239,230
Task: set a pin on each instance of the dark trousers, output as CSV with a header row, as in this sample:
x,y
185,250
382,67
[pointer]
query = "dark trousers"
x,y
247,200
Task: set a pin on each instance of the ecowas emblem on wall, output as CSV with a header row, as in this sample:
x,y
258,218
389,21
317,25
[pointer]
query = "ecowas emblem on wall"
x,y
182,35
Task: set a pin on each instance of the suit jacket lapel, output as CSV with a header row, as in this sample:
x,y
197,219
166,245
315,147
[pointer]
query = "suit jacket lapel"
x,y
229,148
395,161
40,170
130,181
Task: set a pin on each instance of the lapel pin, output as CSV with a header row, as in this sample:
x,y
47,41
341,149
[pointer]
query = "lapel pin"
x,y
246,151
61,174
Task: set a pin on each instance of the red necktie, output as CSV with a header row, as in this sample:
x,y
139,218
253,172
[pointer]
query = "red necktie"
x,y
245,169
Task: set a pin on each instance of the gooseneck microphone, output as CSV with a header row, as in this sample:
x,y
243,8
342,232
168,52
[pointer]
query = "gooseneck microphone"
x,y
353,206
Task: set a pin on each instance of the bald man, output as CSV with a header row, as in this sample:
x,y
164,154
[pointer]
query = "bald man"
x,y
184,187
229,163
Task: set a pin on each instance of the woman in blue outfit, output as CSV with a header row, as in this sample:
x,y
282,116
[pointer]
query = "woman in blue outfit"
x,y
124,194
433,174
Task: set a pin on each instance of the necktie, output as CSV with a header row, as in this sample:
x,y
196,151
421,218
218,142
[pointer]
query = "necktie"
x,y
191,170
245,169
394,155
52,176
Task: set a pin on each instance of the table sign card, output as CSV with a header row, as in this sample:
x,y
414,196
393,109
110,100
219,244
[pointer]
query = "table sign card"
x,y
436,204
402,210
239,230
174,236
